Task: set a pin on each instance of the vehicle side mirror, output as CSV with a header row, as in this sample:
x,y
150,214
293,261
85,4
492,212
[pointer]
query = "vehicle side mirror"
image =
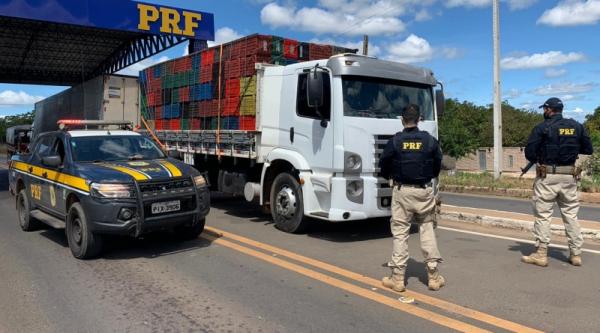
x,y
173,154
440,102
53,161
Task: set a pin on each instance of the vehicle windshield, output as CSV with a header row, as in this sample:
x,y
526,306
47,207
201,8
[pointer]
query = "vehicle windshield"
x,y
385,99
114,148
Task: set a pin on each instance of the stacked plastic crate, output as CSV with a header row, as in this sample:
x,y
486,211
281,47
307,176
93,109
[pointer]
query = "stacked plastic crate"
x,y
216,88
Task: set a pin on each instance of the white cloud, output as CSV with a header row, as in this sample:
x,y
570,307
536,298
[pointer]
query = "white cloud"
x,y
577,110
423,15
566,98
541,60
225,35
571,13
520,4
13,98
451,52
555,72
339,17
413,49
564,88
513,93
135,69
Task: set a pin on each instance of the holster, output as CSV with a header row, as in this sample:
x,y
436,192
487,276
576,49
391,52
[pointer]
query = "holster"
x,y
577,172
541,171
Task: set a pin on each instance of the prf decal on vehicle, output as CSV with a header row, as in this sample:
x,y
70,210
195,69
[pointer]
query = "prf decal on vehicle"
x,y
36,191
52,196
169,19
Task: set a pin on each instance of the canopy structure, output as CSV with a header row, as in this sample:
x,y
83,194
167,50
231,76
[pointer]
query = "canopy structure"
x,y
66,42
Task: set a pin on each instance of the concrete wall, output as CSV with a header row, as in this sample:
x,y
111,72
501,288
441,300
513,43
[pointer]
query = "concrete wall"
x,y
483,160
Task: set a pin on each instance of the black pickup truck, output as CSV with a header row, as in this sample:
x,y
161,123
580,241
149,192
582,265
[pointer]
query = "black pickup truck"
x,y
103,181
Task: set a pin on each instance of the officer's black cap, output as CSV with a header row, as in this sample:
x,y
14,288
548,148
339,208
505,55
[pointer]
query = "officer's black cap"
x,y
553,103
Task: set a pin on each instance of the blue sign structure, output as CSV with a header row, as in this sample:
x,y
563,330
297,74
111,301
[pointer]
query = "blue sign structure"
x,y
115,14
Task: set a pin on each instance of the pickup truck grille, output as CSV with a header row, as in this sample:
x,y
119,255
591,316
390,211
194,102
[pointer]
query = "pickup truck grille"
x,y
174,187
384,191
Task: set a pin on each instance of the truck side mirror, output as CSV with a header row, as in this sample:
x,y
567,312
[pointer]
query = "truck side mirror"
x,y
53,161
315,88
440,102
173,154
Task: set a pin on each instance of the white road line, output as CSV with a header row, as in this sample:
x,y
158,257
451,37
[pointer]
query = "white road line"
x,y
557,246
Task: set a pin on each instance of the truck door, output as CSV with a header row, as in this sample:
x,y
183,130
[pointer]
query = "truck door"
x,y
308,137
53,194
36,182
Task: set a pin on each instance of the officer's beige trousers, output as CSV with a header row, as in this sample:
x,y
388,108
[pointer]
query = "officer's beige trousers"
x,y
561,189
409,202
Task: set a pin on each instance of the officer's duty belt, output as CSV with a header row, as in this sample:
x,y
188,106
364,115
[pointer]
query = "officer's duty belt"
x,y
413,185
560,170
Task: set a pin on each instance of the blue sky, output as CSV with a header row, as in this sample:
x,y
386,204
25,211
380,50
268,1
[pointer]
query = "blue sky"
x,y
549,48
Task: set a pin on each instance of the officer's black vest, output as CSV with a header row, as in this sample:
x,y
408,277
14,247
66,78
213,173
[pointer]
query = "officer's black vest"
x,y
561,142
413,158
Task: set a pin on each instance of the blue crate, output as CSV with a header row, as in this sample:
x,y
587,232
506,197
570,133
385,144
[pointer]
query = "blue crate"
x,y
206,91
230,123
157,71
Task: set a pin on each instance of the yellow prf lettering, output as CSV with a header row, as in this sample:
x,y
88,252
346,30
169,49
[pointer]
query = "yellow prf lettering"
x,y
412,145
567,131
191,22
147,14
170,21
36,192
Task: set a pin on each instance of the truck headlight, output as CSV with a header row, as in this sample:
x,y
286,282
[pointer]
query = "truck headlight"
x,y
352,162
200,181
354,188
112,190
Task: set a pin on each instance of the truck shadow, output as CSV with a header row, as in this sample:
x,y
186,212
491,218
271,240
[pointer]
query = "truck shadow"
x,y
150,246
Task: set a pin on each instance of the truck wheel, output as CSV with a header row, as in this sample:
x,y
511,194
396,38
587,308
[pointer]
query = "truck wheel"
x,y
26,222
287,207
83,243
190,232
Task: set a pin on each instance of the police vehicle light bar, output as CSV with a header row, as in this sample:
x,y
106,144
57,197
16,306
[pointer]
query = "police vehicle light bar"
x,y
63,123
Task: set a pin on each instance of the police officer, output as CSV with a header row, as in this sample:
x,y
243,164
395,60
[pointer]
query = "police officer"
x,y
554,145
411,159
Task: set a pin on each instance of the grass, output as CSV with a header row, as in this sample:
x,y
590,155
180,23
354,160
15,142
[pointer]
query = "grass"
x,y
486,179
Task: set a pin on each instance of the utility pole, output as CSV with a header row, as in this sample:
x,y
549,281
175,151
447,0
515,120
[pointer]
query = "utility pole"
x,y
366,45
497,94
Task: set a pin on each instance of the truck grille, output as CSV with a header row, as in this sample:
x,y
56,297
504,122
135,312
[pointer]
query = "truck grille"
x,y
384,191
166,188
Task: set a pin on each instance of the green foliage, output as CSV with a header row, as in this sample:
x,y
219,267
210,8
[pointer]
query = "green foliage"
x,y
466,127
9,121
592,123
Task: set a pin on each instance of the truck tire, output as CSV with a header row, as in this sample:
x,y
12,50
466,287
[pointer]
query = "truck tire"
x,y
83,243
26,222
190,232
287,208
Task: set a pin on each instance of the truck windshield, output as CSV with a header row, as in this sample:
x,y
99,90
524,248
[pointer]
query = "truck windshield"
x,y
114,148
385,99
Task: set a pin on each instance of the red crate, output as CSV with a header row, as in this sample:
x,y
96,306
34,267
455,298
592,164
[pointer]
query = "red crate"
x,y
209,109
158,124
208,57
233,69
155,85
206,74
235,49
231,107
247,123
184,94
175,124
196,124
258,45
316,51
232,88
290,49
158,112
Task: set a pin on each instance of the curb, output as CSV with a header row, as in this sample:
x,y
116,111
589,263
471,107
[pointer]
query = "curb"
x,y
513,224
511,192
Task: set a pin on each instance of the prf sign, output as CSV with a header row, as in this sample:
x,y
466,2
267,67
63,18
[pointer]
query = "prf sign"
x,y
153,18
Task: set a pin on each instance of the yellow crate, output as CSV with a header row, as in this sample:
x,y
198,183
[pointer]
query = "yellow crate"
x,y
248,86
248,106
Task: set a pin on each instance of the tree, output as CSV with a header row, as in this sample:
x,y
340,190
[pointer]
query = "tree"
x,y
19,119
592,124
461,128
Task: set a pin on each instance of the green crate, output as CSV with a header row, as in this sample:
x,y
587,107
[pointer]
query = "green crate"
x,y
175,95
277,46
185,124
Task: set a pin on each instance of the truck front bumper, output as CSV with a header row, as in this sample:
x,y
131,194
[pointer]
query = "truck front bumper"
x,y
103,215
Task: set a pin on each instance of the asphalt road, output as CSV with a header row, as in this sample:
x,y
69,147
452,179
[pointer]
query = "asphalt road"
x,y
326,282
588,212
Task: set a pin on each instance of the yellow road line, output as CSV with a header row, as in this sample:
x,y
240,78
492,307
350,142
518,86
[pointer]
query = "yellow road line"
x,y
368,294
439,303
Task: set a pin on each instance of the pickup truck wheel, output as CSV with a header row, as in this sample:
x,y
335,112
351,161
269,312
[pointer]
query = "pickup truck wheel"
x,y
190,232
83,243
26,222
287,207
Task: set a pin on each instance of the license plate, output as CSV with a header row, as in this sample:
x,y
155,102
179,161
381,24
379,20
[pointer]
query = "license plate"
x,y
166,207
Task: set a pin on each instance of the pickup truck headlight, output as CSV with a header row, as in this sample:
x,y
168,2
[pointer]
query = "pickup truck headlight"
x,y
200,181
113,190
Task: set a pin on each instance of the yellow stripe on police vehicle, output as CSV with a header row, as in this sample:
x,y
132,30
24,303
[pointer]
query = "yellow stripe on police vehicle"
x,y
53,176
